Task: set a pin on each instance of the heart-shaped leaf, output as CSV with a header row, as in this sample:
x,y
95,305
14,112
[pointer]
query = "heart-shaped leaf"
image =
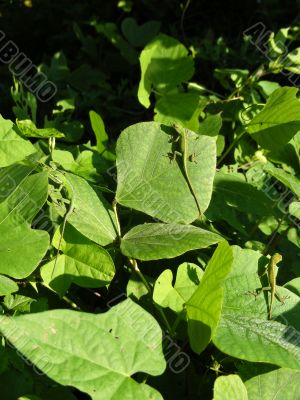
x,y
148,171
95,353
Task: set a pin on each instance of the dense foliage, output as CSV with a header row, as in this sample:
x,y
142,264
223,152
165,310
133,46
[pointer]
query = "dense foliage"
x,y
141,202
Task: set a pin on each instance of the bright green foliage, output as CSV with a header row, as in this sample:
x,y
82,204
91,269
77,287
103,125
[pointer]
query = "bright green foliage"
x,y
279,121
92,215
95,353
7,286
156,241
12,147
146,181
21,248
279,383
164,64
140,205
82,262
205,305
187,279
28,129
230,387
244,330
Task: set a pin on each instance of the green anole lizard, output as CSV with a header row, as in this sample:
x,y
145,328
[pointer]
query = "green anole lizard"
x,y
272,270
186,157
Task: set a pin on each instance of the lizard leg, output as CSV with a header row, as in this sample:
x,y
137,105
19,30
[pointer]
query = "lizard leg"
x,y
258,292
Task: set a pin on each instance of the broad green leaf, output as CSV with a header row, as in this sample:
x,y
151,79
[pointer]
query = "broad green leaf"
x,y
13,147
95,353
88,164
7,286
156,241
147,172
82,262
24,198
178,107
165,63
11,177
230,387
280,384
92,215
22,248
287,179
211,125
28,129
204,307
187,279
244,330
233,195
279,120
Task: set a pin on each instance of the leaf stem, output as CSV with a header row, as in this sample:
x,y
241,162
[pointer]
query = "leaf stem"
x,y
114,206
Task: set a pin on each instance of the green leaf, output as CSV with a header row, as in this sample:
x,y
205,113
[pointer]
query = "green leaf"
x,y
290,181
99,131
211,125
25,194
204,307
12,147
147,172
88,164
22,248
92,215
83,263
165,63
232,194
244,330
279,120
279,384
95,353
7,286
187,279
156,241
294,286
230,387
28,129
178,107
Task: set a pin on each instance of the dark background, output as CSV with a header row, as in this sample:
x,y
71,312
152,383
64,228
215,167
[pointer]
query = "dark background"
x,y
40,28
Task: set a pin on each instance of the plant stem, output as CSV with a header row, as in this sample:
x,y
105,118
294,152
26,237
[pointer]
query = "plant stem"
x,y
136,269
230,147
114,206
140,274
